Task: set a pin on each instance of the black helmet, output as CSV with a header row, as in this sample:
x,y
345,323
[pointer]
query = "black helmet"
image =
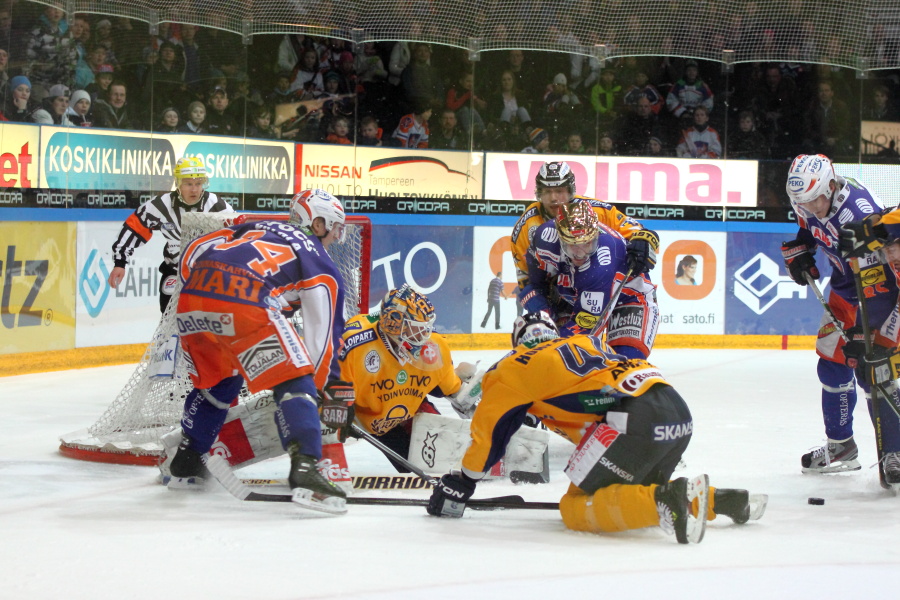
x,y
554,174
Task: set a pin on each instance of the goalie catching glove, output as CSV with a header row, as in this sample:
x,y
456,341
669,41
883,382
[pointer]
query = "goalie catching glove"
x,y
336,411
465,400
862,237
799,259
641,248
450,495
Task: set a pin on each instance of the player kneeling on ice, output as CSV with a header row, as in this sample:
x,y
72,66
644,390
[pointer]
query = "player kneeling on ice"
x,y
630,425
239,286
395,361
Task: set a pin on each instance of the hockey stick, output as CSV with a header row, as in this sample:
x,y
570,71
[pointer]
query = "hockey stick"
x,y
220,469
604,316
825,305
359,432
877,389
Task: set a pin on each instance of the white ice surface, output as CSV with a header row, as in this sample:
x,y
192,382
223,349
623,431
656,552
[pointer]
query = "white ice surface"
x,y
71,529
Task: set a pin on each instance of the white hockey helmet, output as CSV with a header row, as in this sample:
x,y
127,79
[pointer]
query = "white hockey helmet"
x,y
809,177
308,205
533,328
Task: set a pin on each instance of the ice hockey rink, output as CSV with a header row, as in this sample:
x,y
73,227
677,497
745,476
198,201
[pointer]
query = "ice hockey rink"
x,y
72,529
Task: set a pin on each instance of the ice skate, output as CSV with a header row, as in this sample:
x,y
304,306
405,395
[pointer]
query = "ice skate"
x,y
740,505
834,457
310,489
891,467
673,502
187,470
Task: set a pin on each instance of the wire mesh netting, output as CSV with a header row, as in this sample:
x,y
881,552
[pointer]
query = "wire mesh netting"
x,y
149,406
859,34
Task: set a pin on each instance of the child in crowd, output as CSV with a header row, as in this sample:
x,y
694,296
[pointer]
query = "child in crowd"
x,y
369,132
196,121
338,131
80,109
261,124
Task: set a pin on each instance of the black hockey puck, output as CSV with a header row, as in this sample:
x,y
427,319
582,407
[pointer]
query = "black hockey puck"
x,y
816,501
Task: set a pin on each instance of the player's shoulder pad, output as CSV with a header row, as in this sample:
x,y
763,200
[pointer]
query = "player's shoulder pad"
x,y
354,339
530,211
595,203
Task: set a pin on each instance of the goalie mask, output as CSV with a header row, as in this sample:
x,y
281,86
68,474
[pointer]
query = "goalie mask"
x,y
407,319
579,231
809,178
532,329
309,205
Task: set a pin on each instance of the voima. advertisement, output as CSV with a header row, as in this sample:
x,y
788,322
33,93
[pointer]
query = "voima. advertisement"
x,y
627,180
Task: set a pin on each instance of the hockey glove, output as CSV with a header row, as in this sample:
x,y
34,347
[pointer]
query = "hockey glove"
x,y
882,367
450,495
337,407
799,259
855,349
641,249
859,238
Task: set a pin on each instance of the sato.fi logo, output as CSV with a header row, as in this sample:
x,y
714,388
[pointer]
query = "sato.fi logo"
x,y
92,283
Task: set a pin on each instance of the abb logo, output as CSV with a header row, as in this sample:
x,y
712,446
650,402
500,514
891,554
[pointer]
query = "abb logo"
x,y
14,169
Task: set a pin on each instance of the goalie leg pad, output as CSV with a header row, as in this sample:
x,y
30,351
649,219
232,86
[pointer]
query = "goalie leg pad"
x,y
438,443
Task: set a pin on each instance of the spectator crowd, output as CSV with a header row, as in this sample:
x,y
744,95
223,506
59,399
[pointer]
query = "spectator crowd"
x,y
96,71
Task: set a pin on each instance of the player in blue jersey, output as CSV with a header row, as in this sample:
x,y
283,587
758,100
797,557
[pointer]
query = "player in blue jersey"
x,y
823,202
240,285
575,264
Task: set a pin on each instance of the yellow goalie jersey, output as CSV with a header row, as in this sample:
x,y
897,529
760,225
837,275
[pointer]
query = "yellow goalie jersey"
x,y
535,216
388,393
568,383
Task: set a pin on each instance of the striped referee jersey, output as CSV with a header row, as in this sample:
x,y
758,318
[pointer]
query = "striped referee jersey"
x,y
162,214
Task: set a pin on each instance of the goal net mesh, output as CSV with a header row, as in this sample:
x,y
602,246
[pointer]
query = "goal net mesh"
x,y
837,32
149,405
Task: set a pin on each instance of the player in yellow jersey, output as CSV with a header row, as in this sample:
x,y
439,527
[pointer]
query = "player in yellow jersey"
x,y
395,360
630,425
554,186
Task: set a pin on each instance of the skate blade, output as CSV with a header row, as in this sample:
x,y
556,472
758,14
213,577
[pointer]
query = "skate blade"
x,y
835,467
698,488
191,484
758,503
333,505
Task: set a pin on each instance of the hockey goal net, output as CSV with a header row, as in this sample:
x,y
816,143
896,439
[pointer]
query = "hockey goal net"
x,y
150,404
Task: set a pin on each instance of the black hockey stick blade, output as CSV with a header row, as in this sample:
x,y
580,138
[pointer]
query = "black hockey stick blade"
x,y
500,502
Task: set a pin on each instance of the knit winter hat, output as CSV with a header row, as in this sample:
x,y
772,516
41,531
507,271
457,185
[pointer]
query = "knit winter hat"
x,y
79,95
19,80
537,136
